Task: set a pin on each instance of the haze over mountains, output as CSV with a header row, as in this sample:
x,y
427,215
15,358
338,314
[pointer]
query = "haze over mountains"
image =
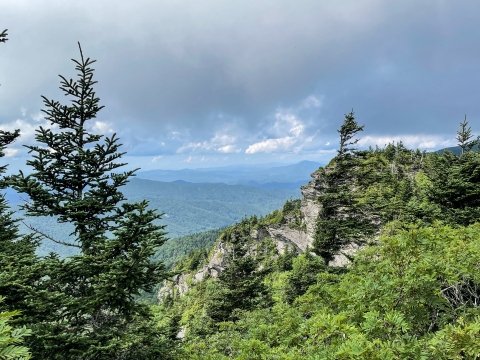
x,y
199,200
266,176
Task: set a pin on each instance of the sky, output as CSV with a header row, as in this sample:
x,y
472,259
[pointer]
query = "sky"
x,y
208,83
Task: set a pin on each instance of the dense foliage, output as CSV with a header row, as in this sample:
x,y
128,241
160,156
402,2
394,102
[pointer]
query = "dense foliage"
x,y
414,295
11,339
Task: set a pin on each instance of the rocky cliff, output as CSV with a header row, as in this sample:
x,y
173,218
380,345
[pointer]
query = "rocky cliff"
x,y
295,231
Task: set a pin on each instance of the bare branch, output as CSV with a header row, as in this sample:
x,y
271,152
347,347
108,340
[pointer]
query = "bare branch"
x,y
49,237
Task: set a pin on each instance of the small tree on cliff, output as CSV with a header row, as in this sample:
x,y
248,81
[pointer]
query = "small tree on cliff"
x,y
72,178
241,283
341,219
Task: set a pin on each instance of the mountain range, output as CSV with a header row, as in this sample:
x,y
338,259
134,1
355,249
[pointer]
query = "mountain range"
x,y
266,176
188,207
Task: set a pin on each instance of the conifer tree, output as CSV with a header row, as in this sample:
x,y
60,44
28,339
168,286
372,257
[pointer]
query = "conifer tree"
x,y
94,315
455,181
241,283
341,219
17,255
19,269
464,136
17,272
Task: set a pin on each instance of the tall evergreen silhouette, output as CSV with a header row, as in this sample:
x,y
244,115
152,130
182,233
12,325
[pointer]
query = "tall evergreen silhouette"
x,y
341,220
73,178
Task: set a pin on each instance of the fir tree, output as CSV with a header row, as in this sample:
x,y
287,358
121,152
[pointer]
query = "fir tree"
x,y
241,283
455,181
464,136
19,269
18,273
455,186
94,315
341,219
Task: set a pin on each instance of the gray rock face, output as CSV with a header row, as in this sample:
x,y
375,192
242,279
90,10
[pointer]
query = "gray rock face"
x,y
284,235
216,264
341,259
178,285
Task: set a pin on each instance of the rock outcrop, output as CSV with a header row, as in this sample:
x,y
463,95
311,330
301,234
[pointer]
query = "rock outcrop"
x,y
299,237
284,235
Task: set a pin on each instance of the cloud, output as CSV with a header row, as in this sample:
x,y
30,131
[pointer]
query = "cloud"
x,y
410,141
272,145
179,73
289,128
312,102
10,152
39,116
102,127
222,143
27,130
156,158
229,149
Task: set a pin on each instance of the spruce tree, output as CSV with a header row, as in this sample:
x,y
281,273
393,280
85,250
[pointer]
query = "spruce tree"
x,y
241,284
464,136
18,273
19,266
455,181
94,315
341,219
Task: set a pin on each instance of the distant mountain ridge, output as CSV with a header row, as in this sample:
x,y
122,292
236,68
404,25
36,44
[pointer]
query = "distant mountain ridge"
x,y
188,207
454,149
265,176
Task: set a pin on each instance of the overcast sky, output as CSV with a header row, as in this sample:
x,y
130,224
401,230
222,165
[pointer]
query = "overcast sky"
x,y
197,83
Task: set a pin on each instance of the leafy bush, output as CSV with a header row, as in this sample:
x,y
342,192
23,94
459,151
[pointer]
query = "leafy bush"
x,y
416,295
12,338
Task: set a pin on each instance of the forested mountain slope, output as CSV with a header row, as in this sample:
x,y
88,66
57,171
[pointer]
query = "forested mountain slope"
x,y
379,260
189,208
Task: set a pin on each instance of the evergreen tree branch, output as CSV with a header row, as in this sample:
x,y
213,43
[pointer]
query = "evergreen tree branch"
x,y
3,36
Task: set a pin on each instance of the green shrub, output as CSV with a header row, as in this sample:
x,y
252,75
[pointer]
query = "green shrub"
x,y
12,338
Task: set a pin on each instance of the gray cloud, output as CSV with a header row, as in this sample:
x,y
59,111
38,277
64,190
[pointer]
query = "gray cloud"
x,y
209,78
